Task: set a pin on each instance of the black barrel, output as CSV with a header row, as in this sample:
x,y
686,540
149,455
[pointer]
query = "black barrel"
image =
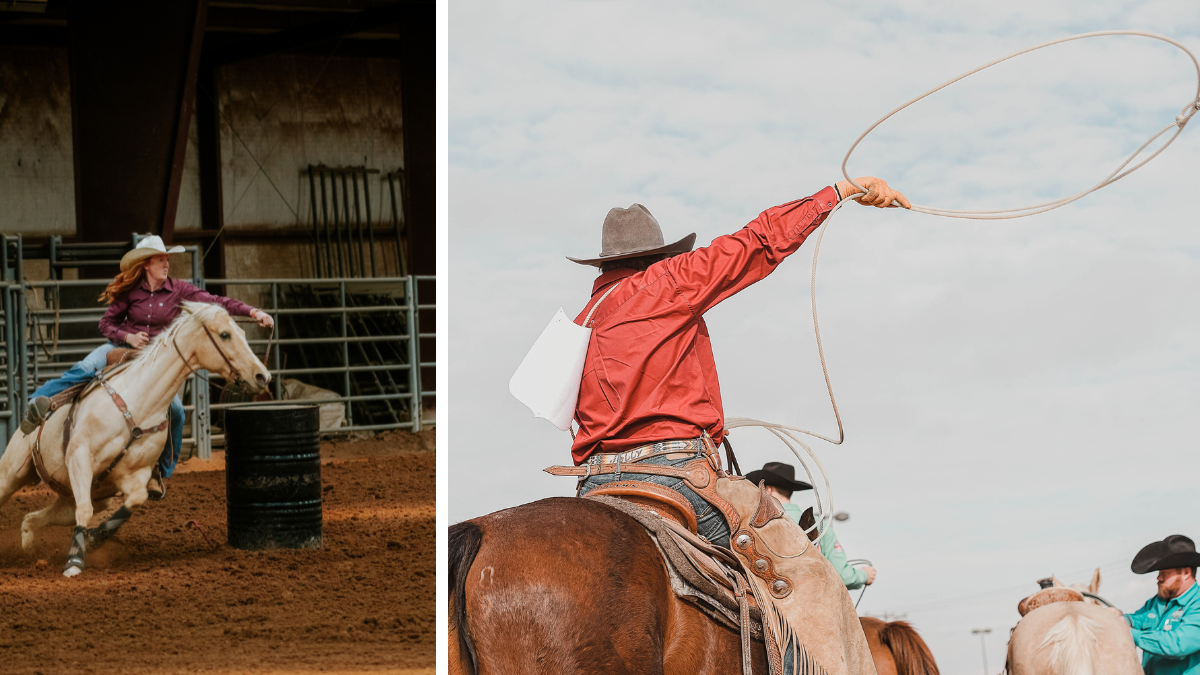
x,y
273,476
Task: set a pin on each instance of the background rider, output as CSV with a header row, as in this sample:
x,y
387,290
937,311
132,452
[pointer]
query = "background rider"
x,y
780,480
1167,627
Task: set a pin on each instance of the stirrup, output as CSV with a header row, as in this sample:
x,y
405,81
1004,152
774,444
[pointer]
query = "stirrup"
x,y
36,416
153,494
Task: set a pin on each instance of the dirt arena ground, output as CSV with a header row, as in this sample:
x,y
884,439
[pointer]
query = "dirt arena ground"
x,y
160,598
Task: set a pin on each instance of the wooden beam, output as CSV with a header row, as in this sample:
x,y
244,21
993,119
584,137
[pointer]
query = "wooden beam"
x,y
310,34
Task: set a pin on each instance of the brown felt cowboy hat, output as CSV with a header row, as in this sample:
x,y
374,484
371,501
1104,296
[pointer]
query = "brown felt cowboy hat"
x,y
633,232
147,248
780,475
1174,551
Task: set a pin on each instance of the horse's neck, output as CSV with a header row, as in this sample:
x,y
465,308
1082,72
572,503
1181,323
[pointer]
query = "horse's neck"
x,y
150,384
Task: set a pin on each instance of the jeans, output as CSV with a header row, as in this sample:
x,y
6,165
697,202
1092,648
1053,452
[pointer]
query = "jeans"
x,y
710,523
86,369
79,373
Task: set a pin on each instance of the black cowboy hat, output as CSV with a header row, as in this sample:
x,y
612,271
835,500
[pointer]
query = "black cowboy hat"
x,y
780,475
1174,551
633,232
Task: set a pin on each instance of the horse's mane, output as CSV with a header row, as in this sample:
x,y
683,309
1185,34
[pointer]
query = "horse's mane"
x,y
1071,643
193,314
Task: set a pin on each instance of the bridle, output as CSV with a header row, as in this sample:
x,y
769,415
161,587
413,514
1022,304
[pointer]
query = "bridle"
x,y
236,375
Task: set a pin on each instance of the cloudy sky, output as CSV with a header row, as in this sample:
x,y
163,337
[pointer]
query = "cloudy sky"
x,y
1018,395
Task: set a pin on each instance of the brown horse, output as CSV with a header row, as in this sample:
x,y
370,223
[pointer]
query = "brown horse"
x,y
568,585
897,649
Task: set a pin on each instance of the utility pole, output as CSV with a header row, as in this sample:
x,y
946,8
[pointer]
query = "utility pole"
x,y
981,632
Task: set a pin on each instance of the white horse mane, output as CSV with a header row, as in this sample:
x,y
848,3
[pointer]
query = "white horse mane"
x,y
1071,642
193,314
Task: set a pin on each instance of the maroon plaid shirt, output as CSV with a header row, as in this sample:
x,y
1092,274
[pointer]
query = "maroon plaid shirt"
x,y
140,310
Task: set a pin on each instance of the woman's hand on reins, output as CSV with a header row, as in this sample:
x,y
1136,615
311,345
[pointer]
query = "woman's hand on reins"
x,y
136,340
262,318
879,194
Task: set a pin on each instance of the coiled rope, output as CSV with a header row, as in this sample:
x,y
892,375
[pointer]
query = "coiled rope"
x,y
823,510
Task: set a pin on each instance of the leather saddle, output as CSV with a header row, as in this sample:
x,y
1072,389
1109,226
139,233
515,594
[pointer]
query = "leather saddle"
x,y
707,576
119,355
659,500
1047,596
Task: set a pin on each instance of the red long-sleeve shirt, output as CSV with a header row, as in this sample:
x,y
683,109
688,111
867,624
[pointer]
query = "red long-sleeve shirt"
x,y
649,374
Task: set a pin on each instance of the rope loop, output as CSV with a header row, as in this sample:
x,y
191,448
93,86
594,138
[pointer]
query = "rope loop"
x,y
1190,109
1120,172
790,436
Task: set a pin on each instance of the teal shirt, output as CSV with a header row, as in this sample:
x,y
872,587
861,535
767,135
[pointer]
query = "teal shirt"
x,y
1169,634
853,577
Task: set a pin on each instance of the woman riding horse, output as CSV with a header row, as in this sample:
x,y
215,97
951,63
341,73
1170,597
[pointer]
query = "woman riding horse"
x,y
142,301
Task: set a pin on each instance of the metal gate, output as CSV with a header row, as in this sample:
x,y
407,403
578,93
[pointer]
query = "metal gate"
x,y
359,337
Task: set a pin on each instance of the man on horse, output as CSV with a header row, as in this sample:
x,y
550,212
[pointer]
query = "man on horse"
x,y
1167,627
780,481
650,412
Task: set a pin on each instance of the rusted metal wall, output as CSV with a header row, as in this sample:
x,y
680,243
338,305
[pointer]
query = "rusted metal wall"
x,y
37,193
279,114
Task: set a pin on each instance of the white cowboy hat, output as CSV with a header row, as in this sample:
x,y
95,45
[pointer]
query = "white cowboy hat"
x,y
148,248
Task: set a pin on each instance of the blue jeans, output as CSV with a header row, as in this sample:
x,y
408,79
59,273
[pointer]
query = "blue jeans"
x,y
86,369
79,373
710,523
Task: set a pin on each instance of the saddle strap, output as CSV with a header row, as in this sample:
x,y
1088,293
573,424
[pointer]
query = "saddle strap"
x,y
119,402
743,590
39,464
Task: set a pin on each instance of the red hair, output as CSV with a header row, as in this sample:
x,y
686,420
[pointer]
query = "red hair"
x,y
123,282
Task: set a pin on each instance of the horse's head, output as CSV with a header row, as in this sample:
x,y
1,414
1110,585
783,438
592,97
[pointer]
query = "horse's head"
x,y
220,346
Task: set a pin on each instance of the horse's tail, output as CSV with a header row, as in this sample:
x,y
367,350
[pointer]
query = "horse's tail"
x,y
463,545
909,651
1072,643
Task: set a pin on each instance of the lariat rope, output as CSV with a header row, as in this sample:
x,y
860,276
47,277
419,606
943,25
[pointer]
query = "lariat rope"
x,y
823,510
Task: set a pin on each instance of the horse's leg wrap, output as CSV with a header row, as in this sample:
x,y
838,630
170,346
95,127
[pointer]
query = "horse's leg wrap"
x,y
75,555
98,535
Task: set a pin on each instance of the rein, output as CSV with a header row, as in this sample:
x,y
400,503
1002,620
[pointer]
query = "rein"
x,y
237,375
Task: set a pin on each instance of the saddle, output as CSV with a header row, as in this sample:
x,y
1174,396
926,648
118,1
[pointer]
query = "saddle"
x,y
118,356
706,576
736,587
1048,596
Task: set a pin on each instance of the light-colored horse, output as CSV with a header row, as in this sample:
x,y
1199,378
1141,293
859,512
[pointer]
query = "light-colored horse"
x,y
1073,638
102,457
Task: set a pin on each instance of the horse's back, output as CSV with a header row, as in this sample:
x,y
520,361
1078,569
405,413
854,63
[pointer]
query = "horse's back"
x,y
1072,637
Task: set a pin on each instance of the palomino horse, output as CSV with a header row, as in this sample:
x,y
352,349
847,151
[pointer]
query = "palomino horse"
x,y
1069,637
107,453
897,649
569,585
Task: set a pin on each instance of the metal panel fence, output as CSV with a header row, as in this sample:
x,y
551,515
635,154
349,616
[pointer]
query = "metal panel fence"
x,y
350,337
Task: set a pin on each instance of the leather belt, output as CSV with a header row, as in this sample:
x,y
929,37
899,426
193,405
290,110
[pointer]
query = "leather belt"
x,y
692,445
695,474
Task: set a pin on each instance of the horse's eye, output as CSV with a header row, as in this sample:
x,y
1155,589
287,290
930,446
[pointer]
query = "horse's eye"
x,y
225,335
